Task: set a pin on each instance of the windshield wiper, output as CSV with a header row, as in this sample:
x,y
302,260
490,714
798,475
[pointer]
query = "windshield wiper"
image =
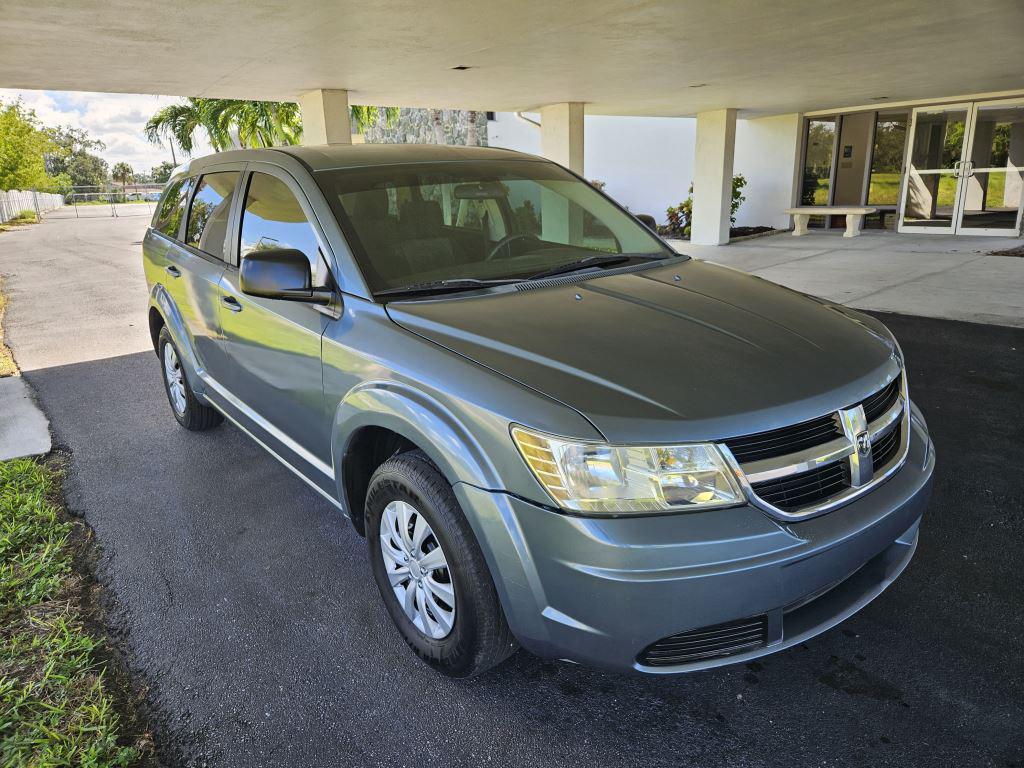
x,y
594,260
439,286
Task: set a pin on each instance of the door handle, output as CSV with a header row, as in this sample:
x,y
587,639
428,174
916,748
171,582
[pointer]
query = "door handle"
x,y
172,270
231,303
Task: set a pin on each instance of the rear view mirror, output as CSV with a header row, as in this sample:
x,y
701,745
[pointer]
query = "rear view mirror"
x,y
480,190
280,273
648,221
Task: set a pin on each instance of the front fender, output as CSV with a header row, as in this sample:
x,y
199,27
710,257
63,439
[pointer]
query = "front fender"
x,y
175,324
420,419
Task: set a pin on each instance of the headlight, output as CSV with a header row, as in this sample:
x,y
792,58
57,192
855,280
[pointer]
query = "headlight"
x,y
610,479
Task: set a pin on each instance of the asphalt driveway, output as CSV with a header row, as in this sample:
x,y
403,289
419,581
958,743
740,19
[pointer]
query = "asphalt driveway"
x,y
246,605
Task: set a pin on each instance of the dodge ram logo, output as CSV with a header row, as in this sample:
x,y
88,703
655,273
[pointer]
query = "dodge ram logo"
x,y
863,443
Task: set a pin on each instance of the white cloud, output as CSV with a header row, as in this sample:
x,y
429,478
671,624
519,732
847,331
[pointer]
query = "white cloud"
x,y
116,119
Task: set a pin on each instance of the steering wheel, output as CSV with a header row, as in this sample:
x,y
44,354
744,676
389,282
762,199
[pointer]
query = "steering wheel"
x,y
508,239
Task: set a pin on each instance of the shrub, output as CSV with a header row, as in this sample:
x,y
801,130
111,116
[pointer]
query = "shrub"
x,y
680,216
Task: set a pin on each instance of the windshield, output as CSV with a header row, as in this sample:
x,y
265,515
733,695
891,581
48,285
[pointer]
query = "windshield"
x,y
425,224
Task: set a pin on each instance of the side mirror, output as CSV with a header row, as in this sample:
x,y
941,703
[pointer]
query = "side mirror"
x,y
280,273
648,221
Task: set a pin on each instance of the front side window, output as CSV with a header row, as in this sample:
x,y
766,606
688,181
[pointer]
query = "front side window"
x,y
273,218
207,227
478,221
172,209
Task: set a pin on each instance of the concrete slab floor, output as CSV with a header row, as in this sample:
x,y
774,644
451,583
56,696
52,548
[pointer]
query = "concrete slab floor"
x,y
24,430
946,276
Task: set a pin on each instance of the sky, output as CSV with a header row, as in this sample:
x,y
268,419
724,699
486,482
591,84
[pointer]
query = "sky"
x,y
117,119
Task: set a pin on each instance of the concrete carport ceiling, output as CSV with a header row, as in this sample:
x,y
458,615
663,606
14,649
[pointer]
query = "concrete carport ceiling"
x,y
620,57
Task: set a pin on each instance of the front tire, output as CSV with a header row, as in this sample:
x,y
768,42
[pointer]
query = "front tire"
x,y
430,571
189,412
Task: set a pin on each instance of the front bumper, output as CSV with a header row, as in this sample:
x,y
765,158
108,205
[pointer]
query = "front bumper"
x,y
600,591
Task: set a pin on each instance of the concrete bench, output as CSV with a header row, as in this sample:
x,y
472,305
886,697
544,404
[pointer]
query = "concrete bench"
x,y
854,217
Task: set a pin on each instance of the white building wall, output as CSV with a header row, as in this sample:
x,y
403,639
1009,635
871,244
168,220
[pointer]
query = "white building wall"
x,y
647,162
766,151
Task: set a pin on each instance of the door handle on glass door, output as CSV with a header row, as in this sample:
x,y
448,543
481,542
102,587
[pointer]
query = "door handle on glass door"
x,y
231,303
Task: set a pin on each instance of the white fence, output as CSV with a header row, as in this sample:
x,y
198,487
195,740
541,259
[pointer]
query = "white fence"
x,y
15,201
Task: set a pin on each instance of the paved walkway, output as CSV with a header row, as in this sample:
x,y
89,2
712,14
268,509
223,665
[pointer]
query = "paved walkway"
x,y
929,275
247,607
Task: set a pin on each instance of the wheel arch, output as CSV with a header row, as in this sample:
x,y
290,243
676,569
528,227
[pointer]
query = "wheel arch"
x,y
379,419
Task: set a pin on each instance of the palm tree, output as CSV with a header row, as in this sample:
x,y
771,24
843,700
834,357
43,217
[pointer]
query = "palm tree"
x,y
472,139
435,118
237,123
122,173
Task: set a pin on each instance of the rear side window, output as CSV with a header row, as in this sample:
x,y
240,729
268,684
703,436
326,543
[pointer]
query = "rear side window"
x,y
172,209
208,215
273,218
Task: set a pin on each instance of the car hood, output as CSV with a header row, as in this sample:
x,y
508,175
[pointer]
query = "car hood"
x,y
684,351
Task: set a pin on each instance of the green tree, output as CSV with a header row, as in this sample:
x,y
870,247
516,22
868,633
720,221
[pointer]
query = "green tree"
x,y
74,160
24,145
236,123
122,173
159,174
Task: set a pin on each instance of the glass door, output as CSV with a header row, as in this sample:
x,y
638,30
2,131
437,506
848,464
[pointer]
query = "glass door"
x,y
993,172
932,193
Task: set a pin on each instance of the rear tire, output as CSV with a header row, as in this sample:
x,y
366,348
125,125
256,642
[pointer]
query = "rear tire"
x,y
447,610
189,412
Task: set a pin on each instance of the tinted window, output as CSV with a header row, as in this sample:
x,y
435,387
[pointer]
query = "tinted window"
x,y
273,218
495,220
172,209
208,215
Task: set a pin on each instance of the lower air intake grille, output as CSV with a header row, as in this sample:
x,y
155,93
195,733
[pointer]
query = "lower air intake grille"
x,y
708,642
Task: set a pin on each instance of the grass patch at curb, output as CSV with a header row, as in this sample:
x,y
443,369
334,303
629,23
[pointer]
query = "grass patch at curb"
x,y
61,704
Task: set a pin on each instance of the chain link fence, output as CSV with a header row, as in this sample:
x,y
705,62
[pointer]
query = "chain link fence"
x,y
14,202
95,202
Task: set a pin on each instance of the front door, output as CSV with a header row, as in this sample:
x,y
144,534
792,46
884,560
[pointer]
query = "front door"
x,y
965,170
274,376
934,182
994,170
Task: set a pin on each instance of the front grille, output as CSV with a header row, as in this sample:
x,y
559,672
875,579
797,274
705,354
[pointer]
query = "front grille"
x,y
806,488
707,642
807,434
779,442
884,448
881,401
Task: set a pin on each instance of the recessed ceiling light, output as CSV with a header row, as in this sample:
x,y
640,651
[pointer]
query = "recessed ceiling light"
x,y
879,98
698,85
461,67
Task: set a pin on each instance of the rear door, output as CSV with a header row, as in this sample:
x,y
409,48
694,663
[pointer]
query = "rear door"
x,y
272,347
190,279
199,257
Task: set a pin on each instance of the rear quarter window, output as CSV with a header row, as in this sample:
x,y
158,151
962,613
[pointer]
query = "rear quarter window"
x,y
172,208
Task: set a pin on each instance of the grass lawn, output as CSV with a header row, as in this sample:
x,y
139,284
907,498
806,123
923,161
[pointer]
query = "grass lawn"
x,y
57,694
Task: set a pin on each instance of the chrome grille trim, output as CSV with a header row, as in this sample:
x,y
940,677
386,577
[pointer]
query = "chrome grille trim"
x,y
863,475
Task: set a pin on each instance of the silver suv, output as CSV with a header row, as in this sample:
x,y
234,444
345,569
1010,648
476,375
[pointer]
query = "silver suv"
x,y
553,430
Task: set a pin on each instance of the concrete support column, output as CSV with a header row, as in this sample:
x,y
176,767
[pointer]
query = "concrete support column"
x,y
712,176
561,134
561,140
325,117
